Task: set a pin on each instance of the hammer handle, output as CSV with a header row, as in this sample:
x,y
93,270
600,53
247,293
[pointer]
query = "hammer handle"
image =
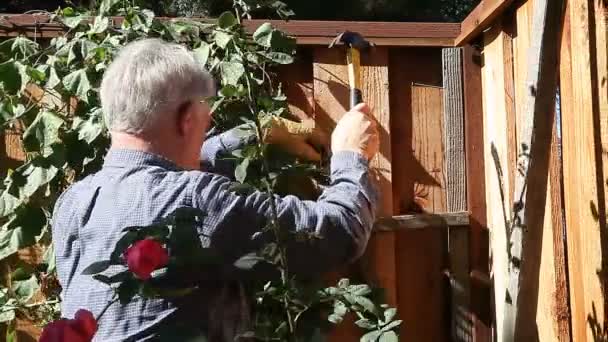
x,y
354,76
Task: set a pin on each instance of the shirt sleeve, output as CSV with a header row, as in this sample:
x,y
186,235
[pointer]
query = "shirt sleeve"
x,y
341,218
217,150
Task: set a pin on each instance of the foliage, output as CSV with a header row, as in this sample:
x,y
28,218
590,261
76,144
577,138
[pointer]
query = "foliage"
x,y
49,94
285,310
367,10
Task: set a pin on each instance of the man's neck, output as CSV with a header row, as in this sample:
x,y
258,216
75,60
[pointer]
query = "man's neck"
x,y
133,142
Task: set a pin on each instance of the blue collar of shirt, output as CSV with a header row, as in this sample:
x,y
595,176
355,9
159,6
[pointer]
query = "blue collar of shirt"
x,y
125,158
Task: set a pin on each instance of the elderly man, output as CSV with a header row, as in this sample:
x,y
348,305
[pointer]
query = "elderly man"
x,y
153,98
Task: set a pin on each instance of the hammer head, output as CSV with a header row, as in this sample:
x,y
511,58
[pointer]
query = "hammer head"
x,y
351,39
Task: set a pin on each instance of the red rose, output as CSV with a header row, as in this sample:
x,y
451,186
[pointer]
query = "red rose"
x,y
145,256
80,329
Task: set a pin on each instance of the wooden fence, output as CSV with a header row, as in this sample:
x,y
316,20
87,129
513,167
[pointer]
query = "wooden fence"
x,y
451,101
562,293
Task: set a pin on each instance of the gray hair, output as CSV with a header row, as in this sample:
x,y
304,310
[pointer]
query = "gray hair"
x,y
149,79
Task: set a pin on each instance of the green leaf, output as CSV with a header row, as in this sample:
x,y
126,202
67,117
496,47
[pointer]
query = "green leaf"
x,y
73,22
127,290
38,172
248,261
42,133
227,20
7,316
389,314
53,79
8,203
26,289
202,53
87,48
392,325
222,39
121,246
106,6
389,336
278,57
77,83
240,172
360,290
365,323
371,336
21,230
231,72
97,267
366,303
10,79
91,128
100,25
23,47
117,278
335,319
262,34
344,283
49,259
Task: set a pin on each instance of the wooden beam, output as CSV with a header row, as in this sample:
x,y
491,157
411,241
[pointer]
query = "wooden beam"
x,y
306,32
584,141
458,239
476,190
480,19
496,158
552,318
526,226
422,221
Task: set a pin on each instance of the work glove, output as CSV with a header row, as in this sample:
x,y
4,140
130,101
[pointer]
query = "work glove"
x,y
301,139
357,132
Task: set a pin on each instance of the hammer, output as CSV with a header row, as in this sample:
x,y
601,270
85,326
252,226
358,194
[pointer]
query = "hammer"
x,y
355,44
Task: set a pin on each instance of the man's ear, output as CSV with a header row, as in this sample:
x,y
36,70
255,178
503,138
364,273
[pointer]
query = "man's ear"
x,y
184,118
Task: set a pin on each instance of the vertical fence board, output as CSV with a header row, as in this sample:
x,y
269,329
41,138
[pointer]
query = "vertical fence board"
x,y
550,296
331,95
458,242
422,296
476,190
496,161
583,175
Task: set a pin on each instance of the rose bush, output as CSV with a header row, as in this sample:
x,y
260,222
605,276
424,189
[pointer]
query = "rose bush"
x,y
145,256
80,329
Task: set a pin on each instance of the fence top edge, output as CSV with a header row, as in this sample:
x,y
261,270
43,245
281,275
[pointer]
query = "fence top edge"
x,y
317,32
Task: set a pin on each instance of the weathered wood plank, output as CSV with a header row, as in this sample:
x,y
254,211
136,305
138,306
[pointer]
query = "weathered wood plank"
x,y
423,221
552,293
458,239
428,144
421,283
583,157
557,310
306,32
480,19
331,96
529,198
476,190
496,160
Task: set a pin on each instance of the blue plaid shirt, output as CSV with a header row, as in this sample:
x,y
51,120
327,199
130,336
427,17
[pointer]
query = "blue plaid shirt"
x,y
135,188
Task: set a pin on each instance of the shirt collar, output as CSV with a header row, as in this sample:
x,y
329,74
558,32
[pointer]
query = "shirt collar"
x,y
133,158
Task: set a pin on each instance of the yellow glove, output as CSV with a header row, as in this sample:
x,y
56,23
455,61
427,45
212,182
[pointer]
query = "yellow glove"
x,y
296,138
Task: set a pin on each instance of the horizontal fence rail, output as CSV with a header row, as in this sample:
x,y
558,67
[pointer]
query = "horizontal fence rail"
x,y
307,32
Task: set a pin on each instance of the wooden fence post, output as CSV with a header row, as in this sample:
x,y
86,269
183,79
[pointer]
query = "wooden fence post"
x,y
525,230
585,144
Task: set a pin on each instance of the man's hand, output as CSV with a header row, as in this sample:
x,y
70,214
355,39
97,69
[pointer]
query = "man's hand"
x,y
296,138
356,132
